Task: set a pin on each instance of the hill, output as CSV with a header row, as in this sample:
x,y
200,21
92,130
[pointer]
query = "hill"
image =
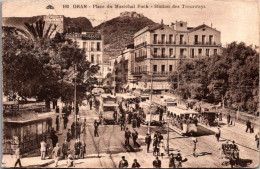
x,y
118,32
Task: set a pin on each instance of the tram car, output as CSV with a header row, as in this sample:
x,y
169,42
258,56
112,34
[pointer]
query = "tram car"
x,y
156,117
108,110
184,119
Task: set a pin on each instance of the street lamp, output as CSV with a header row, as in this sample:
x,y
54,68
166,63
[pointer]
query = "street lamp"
x,y
151,96
168,136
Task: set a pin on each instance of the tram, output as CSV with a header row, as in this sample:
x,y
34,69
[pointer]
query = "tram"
x,y
184,119
108,110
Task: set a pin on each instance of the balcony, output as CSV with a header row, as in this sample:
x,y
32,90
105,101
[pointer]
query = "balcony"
x,y
159,56
140,58
206,43
182,43
140,73
164,42
141,44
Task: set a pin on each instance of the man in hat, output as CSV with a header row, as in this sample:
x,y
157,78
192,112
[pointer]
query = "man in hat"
x,y
233,146
127,136
135,136
148,141
123,163
96,124
217,134
43,149
157,163
172,161
179,160
195,141
18,157
56,152
65,148
135,164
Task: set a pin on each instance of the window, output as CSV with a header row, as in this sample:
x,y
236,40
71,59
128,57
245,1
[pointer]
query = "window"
x,y
182,52
92,58
155,51
84,45
98,61
163,52
181,39
210,39
92,46
163,68
98,46
215,51
170,68
207,52
196,39
192,53
181,24
155,68
171,52
155,38
163,38
170,39
203,39
200,51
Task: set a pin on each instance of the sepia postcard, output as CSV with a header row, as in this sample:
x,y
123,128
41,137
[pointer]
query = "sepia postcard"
x,y
130,84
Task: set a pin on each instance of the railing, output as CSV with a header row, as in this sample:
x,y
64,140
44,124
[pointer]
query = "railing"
x,y
141,44
182,42
159,56
141,58
205,43
164,42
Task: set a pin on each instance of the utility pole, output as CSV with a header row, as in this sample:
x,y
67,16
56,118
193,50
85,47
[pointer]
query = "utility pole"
x,y
75,100
151,96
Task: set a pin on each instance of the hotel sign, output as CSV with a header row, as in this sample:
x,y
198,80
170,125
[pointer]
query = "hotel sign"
x,y
87,36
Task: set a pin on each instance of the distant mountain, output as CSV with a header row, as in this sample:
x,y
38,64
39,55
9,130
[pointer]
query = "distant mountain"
x,y
18,22
119,32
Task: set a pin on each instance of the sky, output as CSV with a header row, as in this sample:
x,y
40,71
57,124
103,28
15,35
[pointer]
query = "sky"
x,y
238,20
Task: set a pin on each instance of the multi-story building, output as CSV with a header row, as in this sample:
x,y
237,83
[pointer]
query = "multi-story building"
x,y
122,66
92,43
159,47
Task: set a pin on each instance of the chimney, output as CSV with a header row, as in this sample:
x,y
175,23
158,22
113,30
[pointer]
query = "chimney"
x,y
162,22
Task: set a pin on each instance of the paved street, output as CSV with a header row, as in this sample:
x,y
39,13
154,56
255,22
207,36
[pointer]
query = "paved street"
x,y
106,150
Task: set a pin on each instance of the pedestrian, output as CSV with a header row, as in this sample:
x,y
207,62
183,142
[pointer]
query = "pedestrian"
x,y
43,149
70,161
83,128
96,124
236,157
135,164
148,140
217,134
57,109
155,147
73,129
54,139
69,135
130,117
179,160
232,160
228,119
65,148
220,116
134,123
127,136
233,146
65,121
57,123
77,146
172,161
195,141
157,163
90,104
82,149
252,128
135,136
56,152
122,123
18,157
248,125
257,140
123,163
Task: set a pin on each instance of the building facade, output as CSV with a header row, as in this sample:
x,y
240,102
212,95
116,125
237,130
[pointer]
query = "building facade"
x,y
159,48
92,43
